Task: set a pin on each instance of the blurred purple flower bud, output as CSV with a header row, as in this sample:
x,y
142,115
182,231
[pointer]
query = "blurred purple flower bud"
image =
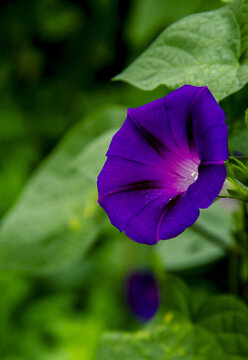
x,y
143,294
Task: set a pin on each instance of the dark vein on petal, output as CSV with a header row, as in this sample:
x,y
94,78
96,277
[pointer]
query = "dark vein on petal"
x,y
137,186
190,135
212,162
165,212
141,210
189,124
169,123
133,161
167,163
200,91
154,142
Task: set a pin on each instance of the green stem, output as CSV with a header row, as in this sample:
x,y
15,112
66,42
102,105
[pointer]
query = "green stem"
x,y
234,273
244,258
242,157
232,197
215,239
227,197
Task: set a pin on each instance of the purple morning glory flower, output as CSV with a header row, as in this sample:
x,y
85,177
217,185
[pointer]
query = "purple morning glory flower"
x,y
164,164
142,294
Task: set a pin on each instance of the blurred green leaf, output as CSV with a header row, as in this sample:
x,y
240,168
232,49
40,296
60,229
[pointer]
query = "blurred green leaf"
x,y
246,117
87,162
17,152
197,246
70,335
14,292
176,295
57,217
227,318
239,142
219,334
147,17
170,340
203,49
57,20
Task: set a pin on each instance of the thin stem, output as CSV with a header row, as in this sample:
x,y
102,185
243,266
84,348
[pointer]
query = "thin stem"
x,y
214,239
242,157
232,252
232,197
234,273
227,197
244,258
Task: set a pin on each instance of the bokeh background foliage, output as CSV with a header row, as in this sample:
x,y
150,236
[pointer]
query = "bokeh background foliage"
x,y
63,266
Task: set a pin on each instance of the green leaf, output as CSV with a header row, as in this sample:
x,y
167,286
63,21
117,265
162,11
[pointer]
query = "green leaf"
x,y
239,142
170,341
57,216
237,170
203,49
197,246
56,21
219,333
237,176
176,296
227,318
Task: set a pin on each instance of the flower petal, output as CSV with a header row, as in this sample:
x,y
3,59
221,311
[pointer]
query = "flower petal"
x,y
123,206
130,143
165,163
162,219
208,185
126,187
179,217
120,174
209,127
166,119
143,227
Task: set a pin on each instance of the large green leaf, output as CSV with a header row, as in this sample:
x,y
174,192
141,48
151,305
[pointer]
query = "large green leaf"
x,y
202,49
219,333
57,216
198,245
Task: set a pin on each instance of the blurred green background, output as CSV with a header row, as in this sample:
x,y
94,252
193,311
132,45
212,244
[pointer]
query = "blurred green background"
x,y
57,58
